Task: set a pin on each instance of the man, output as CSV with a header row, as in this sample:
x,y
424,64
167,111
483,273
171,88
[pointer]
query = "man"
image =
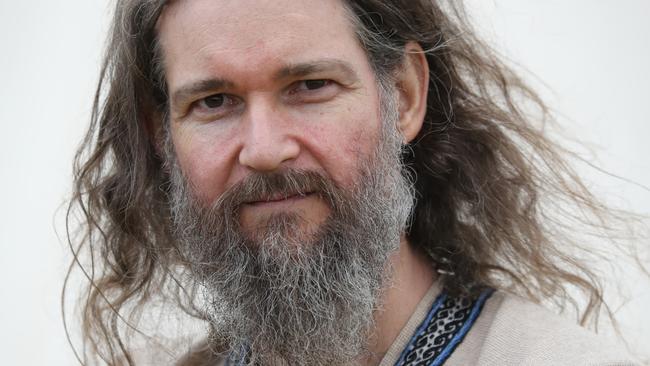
x,y
324,182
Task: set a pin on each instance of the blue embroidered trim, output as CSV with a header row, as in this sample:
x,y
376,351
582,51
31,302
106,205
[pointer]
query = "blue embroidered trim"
x,y
434,308
476,310
444,328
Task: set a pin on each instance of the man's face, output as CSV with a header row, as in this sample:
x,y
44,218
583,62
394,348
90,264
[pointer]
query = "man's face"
x,y
287,193
262,86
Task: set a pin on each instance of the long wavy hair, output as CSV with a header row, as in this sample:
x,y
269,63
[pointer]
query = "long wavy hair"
x,y
496,198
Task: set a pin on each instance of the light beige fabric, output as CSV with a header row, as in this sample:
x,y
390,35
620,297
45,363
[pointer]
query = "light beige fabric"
x,y
512,331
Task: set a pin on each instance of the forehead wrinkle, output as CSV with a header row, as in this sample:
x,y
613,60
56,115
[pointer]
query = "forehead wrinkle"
x,y
257,41
210,36
227,22
312,67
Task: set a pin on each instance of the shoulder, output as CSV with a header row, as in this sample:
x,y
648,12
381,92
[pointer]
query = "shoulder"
x,y
513,331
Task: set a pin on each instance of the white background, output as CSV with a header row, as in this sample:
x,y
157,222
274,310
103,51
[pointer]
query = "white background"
x,y
593,56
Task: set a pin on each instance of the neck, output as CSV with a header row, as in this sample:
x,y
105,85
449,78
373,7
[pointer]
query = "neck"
x,y
413,275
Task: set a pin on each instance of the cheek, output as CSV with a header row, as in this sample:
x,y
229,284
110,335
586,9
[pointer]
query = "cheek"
x,y
342,146
203,163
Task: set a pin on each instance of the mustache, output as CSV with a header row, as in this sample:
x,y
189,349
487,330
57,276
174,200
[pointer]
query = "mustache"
x,y
272,186
221,217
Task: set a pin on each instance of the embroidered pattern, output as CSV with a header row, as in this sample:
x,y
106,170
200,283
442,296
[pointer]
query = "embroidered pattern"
x,y
445,326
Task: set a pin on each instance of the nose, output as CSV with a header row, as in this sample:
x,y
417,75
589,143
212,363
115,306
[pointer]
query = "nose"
x,y
268,142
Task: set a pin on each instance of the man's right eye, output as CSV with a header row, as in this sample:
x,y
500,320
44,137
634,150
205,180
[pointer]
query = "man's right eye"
x,y
215,106
213,101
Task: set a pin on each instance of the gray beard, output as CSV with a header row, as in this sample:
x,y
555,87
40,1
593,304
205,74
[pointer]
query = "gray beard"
x,y
287,298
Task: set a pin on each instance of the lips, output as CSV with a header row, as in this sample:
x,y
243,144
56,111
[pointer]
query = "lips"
x,y
278,198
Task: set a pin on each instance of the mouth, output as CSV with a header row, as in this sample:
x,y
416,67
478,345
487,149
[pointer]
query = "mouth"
x,y
279,199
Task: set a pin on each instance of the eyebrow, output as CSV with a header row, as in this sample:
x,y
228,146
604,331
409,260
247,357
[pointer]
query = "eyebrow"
x,y
308,68
287,72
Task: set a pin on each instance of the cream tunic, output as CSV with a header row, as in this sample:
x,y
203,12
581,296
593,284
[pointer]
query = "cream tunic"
x,y
513,331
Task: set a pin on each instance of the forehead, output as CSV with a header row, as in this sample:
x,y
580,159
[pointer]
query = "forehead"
x,y
211,35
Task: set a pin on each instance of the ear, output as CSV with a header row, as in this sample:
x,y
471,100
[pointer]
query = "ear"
x,y
412,82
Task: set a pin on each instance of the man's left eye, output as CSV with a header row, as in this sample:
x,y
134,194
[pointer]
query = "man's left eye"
x,y
309,85
313,91
315,84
